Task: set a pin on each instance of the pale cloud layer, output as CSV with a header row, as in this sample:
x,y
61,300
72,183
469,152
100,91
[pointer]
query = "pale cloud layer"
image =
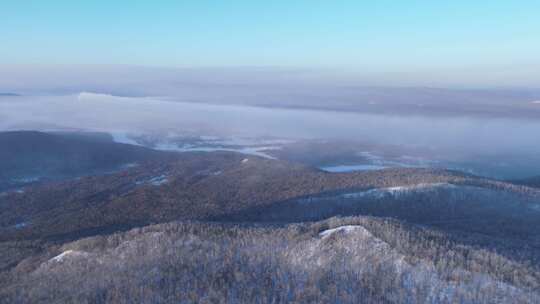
x,y
268,87
276,102
98,112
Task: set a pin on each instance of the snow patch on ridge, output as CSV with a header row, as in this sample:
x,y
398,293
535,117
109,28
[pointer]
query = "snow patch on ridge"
x,y
26,180
376,162
68,254
397,190
345,229
154,181
379,192
350,168
20,225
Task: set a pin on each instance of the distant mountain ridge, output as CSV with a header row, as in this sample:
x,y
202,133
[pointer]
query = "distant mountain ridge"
x,y
30,156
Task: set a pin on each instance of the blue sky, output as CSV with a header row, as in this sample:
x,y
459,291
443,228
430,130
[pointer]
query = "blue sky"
x,y
363,35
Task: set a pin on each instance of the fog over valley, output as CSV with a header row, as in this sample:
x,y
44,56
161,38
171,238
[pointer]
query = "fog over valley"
x,y
448,137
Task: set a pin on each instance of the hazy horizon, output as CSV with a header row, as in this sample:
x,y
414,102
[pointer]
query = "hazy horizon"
x,y
385,43
23,78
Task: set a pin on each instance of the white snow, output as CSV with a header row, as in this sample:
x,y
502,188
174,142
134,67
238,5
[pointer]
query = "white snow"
x,y
245,160
343,229
243,141
208,143
6,193
61,256
124,138
68,254
397,190
376,162
418,187
350,168
92,96
257,151
379,192
20,225
209,172
29,179
158,180
130,165
154,181
354,195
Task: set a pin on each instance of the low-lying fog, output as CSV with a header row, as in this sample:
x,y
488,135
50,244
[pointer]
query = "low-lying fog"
x,y
473,136
88,111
